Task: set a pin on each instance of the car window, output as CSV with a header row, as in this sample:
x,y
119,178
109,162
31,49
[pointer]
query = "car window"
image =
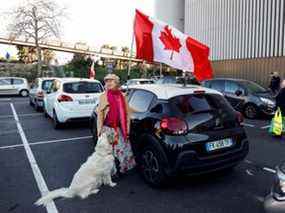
x,y
18,81
4,82
231,87
55,86
217,85
46,84
201,103
141,100
82,87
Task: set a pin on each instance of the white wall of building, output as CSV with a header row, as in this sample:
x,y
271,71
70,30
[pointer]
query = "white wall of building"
x,y
238,29
171,12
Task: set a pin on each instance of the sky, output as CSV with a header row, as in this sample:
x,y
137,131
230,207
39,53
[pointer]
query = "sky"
x,y
94,22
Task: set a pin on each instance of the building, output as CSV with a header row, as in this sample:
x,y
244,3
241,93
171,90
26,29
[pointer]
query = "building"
x,y
246,37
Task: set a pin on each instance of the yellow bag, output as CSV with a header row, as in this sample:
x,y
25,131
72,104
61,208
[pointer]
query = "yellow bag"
x,y
276,124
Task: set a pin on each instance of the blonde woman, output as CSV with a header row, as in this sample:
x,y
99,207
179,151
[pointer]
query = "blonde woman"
x,y
113,118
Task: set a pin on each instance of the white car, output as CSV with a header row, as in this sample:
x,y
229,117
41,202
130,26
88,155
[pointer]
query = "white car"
x,y
71,99
14,86
137,81
38,91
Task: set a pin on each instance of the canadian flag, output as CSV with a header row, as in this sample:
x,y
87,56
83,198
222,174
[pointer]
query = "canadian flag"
x,y
159,42
92,72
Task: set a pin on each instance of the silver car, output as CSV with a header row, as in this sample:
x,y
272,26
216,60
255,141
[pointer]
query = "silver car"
x,y
38,91
14,86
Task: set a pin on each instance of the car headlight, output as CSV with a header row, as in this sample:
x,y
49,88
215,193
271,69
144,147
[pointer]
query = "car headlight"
x,y
267,101
279,186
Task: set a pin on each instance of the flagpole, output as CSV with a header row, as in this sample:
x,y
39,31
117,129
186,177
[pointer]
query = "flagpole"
x,y
130,57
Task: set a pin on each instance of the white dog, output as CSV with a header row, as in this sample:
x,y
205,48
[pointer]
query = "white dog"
x,y
96,171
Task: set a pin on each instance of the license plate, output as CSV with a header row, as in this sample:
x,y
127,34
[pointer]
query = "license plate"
x,y
215,145
87,101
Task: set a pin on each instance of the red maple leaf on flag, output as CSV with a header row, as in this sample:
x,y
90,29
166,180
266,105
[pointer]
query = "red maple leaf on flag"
x,y
169,41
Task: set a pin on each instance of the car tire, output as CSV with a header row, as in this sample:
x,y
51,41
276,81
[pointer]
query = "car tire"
x,y
151,167
56,123
24,93
37,107
30,102
93,127
251,111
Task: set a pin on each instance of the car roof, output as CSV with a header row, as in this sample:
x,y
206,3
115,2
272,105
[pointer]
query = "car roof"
x,y
47,78
228,79
167,91
65,80
13,78
141,79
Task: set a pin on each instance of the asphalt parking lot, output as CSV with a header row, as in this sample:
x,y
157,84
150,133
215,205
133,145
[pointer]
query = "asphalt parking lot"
x,y
35,158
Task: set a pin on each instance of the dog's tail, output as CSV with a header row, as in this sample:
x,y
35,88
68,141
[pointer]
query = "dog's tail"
x,y
62,192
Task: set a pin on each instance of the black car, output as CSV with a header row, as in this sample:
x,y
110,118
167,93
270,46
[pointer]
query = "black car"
x,y
275,201
182,129
245,96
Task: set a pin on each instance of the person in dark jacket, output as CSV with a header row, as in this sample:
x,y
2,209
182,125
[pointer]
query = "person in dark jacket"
x,y
280,98
275,82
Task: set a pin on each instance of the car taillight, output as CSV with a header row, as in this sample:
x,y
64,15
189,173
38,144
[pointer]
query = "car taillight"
x,y
239,117
40,94
173,125
64,98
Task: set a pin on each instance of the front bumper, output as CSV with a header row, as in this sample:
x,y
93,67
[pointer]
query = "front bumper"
x,y
189,162
267,109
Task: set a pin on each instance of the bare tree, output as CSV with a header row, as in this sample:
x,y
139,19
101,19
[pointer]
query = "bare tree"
x,y
37,20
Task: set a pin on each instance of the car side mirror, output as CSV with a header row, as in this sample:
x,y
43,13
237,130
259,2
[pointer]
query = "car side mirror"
x,y
238,93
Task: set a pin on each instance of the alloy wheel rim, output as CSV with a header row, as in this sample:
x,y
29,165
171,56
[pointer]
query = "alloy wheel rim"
x,y
151,166
250,112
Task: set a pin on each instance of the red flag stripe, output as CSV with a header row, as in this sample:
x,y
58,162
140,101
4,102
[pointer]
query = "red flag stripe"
x,y
143,32
200,54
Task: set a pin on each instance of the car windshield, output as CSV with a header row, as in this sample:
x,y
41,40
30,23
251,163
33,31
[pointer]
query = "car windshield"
x,y
82,87
146,82
253,87
46,84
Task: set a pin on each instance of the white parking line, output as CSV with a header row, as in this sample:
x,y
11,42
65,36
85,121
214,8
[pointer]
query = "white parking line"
x,y
51,208
248,125
269,170
46,142
263,168
265,127
5,99
21,115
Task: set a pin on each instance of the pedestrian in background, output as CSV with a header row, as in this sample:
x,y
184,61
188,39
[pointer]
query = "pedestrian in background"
x,y
275,83
280,98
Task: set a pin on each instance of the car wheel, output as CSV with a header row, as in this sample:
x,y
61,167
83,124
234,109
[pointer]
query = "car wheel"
x,y
30,102
45,112
56,123
24,93
37,107
93,127
251,111
151,167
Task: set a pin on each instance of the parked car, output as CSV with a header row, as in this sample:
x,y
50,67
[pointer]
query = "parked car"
x,y
245,96
14,86
137,81
38,91
71,99
177,80
182,129
275,201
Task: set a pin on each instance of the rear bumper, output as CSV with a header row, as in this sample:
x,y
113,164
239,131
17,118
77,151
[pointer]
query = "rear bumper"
x,y
188,162
64,115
